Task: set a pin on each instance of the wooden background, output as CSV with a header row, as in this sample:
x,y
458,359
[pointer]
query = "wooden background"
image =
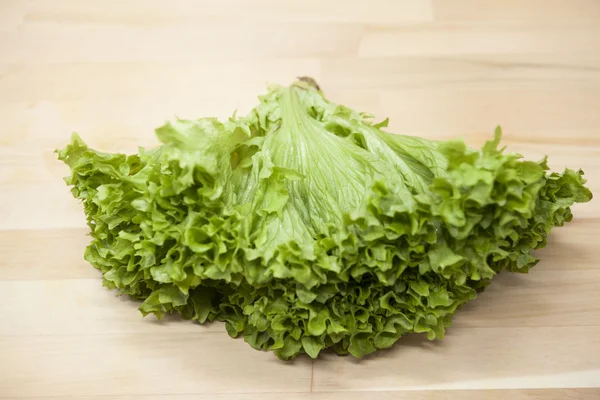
x,y
115,69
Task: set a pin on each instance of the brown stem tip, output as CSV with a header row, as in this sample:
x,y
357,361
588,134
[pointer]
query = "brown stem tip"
x,y
310,81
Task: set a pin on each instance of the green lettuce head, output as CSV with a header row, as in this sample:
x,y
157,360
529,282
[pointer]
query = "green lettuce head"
x,y
305,226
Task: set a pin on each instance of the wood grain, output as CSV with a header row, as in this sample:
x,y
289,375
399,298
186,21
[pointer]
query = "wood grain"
x,y
505,357
524,394
140,363
115,70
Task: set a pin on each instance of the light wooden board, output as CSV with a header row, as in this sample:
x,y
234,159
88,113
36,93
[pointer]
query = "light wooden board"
x,y
116,69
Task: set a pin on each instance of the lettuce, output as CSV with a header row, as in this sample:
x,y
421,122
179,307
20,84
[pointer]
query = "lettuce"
x,y
305,226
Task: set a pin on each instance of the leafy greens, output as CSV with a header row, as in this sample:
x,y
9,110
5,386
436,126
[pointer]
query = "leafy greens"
x,y
305,226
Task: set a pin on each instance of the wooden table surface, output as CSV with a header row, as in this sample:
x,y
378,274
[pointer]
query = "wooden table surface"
x,y
113,70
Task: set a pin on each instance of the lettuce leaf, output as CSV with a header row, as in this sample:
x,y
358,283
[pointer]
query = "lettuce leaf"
x,y
305,226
